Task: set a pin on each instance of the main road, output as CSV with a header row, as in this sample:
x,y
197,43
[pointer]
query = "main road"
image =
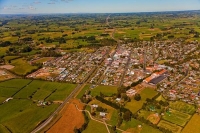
x,y
47,121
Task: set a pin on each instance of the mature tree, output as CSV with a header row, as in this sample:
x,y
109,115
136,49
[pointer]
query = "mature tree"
x,y
137,97
127,116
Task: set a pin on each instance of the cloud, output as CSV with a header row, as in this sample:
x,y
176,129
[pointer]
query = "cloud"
x,y
51,3
6,8
36,2
31,8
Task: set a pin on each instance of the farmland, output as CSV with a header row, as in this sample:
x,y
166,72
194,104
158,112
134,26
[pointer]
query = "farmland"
x,y
190,128
24,102
68,113
137,71
22,67
16,110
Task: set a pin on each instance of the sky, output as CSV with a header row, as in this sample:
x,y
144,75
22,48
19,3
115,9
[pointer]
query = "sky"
x,y
94,6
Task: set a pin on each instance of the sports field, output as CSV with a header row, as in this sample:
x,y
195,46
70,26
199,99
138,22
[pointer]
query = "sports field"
x,y
183,107
177,117
172,127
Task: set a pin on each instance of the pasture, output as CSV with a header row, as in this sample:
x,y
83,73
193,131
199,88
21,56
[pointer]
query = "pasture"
x,y
133,124
10,87
106,90
22,105
190,127
22,67
134,105
14,114
39,90
95,127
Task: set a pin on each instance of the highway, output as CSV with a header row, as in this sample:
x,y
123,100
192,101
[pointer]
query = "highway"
x,y
47,121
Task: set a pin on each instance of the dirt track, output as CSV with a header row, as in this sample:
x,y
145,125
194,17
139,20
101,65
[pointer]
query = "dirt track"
x,y
70,119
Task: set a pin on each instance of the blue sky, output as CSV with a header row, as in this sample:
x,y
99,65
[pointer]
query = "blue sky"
x,y
95,6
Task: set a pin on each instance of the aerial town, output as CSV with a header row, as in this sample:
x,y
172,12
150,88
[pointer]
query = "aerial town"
x,y
66,69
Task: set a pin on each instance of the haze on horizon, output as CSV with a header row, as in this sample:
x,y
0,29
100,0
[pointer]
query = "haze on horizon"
x,y
95,6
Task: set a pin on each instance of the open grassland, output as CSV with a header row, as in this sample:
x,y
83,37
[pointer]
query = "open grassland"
x,y
106,90
2,99
192,126
7,58
134,105
41,60
22,67
133,124
172,127
95,127
176,117
15,83
3,50
23,115
10,87
39,90
3,129
183,107
82,92
160,98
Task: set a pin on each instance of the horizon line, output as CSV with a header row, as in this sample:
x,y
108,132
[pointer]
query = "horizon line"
x,y
98,12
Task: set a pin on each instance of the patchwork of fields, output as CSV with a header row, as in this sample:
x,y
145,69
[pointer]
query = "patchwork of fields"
x,y
26,94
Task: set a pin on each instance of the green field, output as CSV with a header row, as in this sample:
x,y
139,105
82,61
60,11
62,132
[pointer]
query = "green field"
x,y
3,50
82,92
23,115
134,105
95,127
192,127
14,112
45,88
133,124
10,87
167,125
7,58
183,107
106,90
3,129
22,67
176,117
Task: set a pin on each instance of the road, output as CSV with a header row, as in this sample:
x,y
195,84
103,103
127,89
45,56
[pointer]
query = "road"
x,y
125,69
47,121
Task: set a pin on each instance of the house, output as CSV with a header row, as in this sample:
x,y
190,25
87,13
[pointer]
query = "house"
x,y
103,114
131,92
94,105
